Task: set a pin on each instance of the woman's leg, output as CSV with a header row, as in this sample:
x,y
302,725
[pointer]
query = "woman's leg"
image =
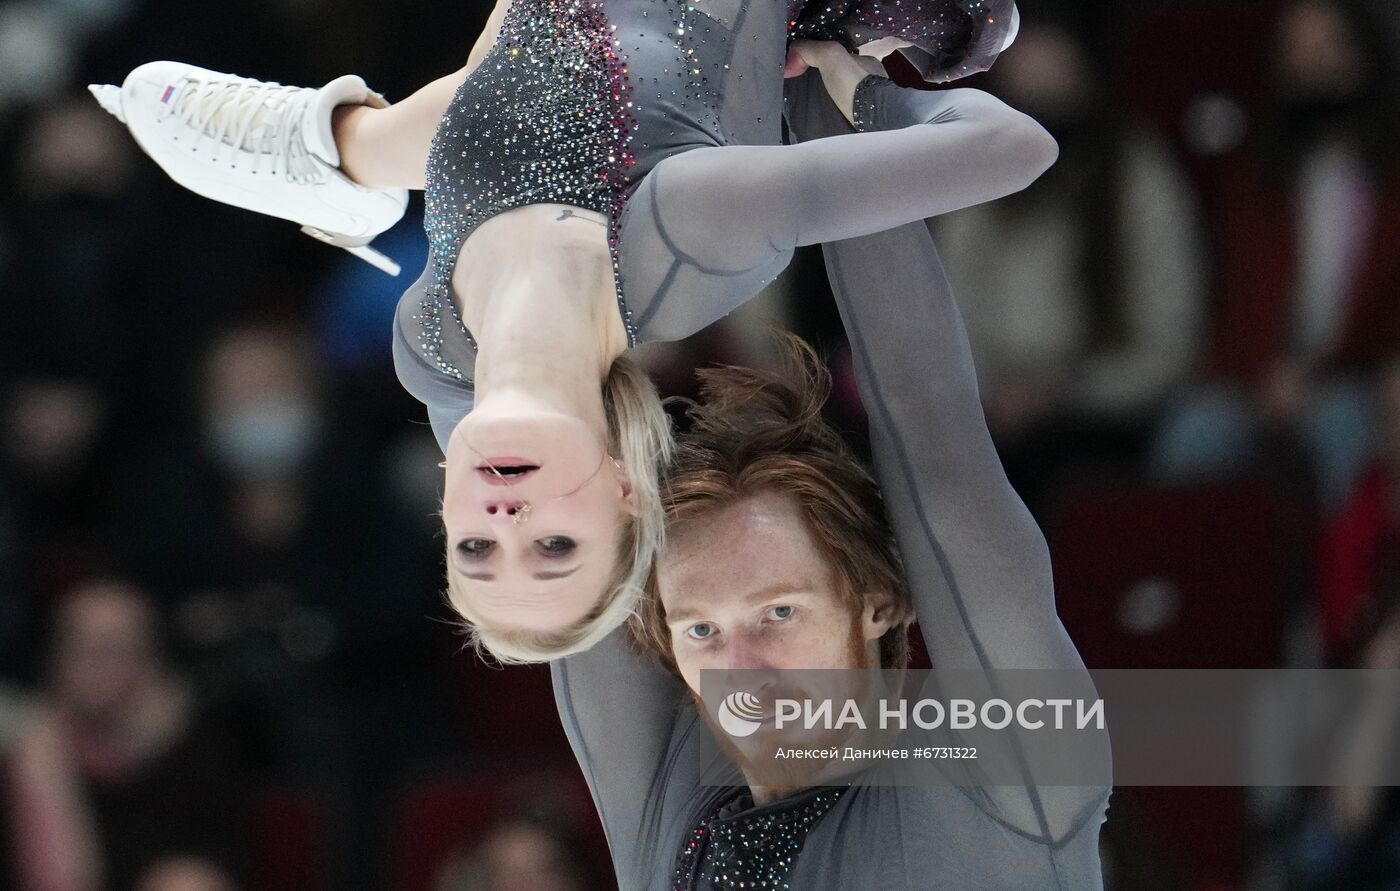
x,y
387,148
333,159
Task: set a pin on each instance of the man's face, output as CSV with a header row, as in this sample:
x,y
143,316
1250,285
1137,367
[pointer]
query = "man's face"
x,y
746,587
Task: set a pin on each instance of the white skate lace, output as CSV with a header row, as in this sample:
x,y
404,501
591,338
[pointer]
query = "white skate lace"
x,y
252,121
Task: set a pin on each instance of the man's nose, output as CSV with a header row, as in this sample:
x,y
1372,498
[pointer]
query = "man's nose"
x,y
746,655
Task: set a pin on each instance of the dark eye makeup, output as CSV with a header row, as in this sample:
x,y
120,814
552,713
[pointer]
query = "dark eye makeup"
x,y
556,546
475,547
552,546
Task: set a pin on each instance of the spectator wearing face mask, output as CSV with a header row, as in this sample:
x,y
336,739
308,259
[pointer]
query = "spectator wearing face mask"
x,y
272,489
244,496
254,528
271,531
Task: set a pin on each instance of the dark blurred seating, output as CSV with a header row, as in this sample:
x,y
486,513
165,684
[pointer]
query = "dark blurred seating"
x,y
1189,577
1183,838
1178,577
508,710
288,841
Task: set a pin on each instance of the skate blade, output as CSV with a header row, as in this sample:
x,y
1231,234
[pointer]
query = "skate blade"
x,y
363,251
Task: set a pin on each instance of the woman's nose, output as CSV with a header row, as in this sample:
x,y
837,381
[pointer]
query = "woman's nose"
x,y
504,510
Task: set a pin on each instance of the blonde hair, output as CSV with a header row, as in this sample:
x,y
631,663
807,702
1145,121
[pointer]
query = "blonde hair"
x,y
640,431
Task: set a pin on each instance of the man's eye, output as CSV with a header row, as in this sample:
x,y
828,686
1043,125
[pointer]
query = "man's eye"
x,y
779,613
700,630
557,545
475,547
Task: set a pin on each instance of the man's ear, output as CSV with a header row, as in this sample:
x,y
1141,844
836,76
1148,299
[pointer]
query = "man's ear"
x,y
881,613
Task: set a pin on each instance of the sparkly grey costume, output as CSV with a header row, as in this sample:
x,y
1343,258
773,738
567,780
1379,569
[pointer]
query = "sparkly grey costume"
x,y
978,570
979,573
666,116
710,209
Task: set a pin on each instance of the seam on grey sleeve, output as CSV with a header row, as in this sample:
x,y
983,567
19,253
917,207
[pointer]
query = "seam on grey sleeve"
x,y
889,423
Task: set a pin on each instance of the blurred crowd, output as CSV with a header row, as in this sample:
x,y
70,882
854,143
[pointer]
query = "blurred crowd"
x,y
225,660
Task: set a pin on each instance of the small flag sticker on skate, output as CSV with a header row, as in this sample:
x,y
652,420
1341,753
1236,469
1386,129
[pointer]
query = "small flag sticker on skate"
x,y
166,98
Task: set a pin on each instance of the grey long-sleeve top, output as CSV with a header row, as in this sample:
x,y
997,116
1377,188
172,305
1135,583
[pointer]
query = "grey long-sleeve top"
x,y
977,564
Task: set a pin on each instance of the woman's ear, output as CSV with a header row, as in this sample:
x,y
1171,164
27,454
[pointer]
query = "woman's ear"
x,y
625,491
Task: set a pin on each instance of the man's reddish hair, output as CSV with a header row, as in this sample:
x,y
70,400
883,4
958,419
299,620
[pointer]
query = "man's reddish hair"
x,y
755,431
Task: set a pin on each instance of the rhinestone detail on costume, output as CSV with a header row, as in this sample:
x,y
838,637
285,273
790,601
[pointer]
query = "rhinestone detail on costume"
x,y
863,104
545,119
957,37
754,851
